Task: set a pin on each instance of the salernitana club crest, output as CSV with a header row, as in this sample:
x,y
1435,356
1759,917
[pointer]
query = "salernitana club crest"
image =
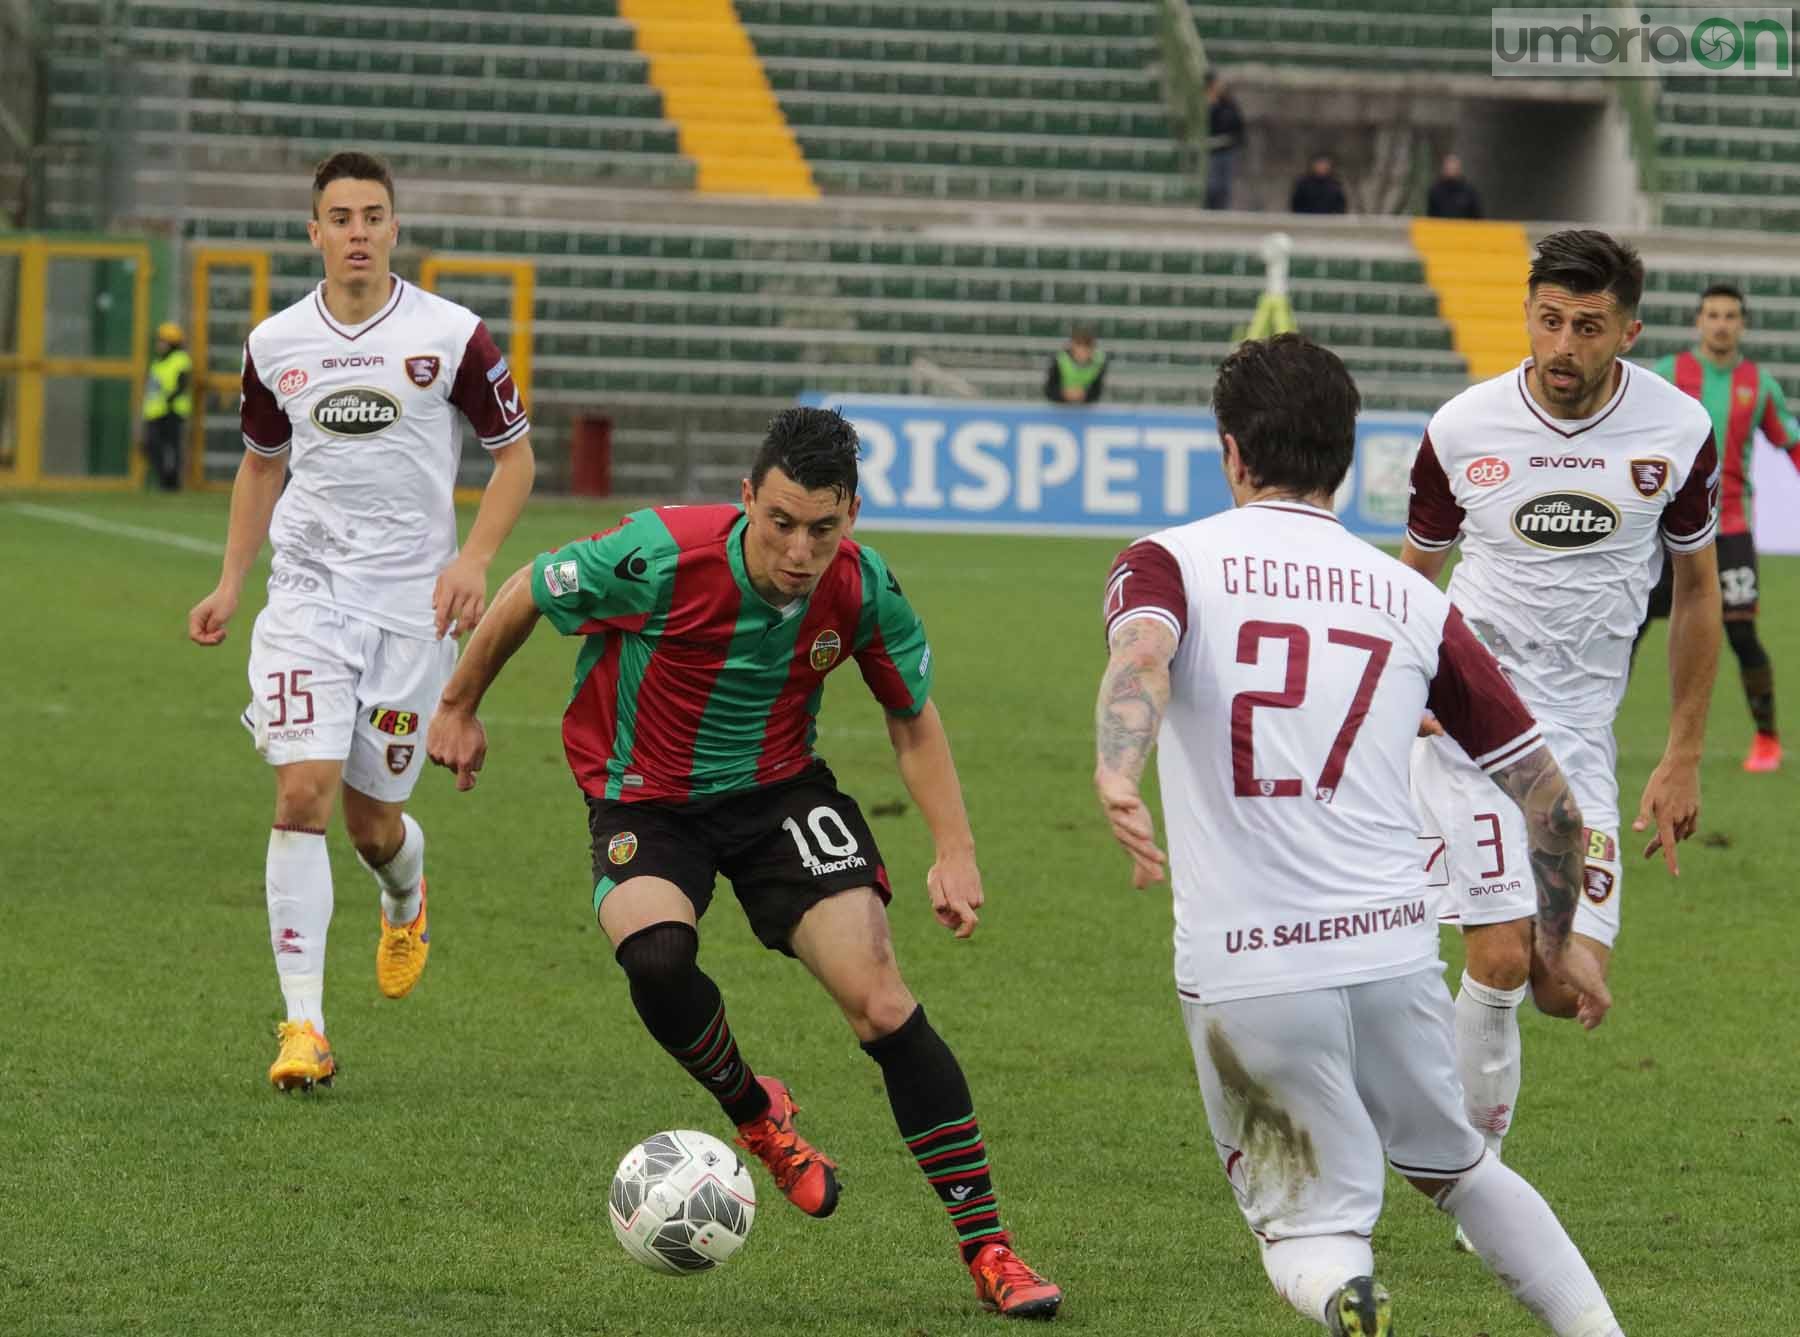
x,y
1649,476
423,370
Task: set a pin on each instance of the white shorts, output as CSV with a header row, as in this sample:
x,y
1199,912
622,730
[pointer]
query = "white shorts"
x,y
1308,1094
326,686
1473,841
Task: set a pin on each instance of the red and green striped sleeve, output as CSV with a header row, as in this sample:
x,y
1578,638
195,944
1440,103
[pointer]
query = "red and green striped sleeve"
x,y
890,648
611,581
1777,423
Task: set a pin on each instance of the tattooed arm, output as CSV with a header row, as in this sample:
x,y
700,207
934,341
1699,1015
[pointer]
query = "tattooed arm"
x,y
1133,695
1553,825
1554,828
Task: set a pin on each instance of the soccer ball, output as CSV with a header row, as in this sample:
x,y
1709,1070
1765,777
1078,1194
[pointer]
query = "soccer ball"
x,y
681,1202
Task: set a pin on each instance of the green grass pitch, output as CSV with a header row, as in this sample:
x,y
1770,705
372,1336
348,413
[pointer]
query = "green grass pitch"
x,y
454,1181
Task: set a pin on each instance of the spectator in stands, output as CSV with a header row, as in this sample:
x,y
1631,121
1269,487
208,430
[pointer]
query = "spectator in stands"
x,y
1451,194
1319,191
1224,140
168,403
1078,373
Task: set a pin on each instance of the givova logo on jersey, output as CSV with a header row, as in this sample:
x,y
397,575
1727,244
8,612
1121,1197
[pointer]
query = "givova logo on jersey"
x,y
360,410
1565,520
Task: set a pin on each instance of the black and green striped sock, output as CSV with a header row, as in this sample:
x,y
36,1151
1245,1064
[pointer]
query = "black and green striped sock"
x,y
936,1116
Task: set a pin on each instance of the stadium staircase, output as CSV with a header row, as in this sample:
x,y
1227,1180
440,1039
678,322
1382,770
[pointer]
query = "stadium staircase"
x,y
714,89
1478,272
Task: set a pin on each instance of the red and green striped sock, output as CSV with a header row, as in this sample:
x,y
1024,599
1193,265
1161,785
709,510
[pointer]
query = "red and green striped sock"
x,y
928,1093
953,1159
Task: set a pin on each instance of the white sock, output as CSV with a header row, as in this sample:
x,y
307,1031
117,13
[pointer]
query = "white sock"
x,y
297,882
1522,1242
1308,1269
1487,1056
399,877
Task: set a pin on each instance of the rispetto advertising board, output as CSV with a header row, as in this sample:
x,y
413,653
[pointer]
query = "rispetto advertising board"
x,y
955,464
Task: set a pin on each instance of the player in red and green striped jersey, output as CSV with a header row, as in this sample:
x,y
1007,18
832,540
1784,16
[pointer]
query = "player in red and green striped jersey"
x,y
1743,400
708,632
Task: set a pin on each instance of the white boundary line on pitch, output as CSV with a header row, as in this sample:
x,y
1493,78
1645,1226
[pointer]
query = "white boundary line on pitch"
x,y
82,521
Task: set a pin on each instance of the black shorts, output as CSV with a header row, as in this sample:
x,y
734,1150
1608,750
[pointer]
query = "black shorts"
x,y
1737,579
784,848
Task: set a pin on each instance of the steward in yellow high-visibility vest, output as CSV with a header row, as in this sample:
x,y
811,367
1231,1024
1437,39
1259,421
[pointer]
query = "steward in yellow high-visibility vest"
x,y
1078,373
168,404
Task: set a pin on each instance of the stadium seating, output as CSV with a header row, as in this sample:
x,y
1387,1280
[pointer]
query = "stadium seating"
x,y
1727,154
989,99
658,324
1447,36
549,89
679,324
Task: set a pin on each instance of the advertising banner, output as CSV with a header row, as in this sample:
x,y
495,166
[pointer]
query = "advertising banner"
x,y
956,464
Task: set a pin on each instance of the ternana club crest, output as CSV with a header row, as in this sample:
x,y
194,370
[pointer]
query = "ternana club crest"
x,y
1649,476
423,370
825,648
622,847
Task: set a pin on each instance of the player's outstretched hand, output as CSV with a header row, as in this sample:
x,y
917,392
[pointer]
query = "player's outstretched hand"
x,y
460,597
954,884
1578,966
207,619
457,742
1671,804
1131,827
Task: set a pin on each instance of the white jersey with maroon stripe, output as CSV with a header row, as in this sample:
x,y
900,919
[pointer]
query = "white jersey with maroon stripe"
x,y
368,414
1562,526
1304,660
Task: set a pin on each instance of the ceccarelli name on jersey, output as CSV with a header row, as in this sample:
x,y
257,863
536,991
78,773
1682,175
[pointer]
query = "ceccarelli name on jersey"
x,y
1565,520
360,410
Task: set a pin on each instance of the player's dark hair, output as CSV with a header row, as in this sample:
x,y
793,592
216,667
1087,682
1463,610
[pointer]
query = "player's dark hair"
x,y
1583,260
814,447
1730,290
1082,334
353,165
1291,406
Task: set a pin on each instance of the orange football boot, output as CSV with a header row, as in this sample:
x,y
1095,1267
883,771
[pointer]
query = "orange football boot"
x,y
1765,754
1005,1285
800,1170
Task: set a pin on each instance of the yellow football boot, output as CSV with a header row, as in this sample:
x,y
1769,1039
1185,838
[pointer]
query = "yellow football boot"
x,y
400,955
305,1060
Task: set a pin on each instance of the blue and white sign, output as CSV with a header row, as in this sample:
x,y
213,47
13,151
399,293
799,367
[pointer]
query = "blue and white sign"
x,y
958,464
